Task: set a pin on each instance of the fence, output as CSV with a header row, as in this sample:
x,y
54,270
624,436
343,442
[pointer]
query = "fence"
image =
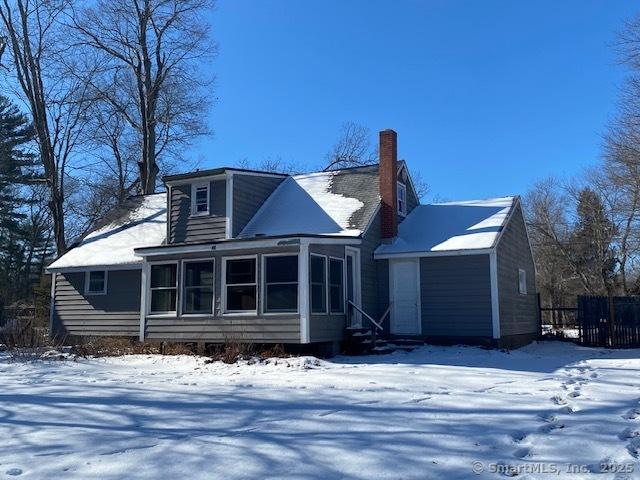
x,y
609,322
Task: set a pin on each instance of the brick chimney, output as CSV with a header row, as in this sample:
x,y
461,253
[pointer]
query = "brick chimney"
x,y
388,182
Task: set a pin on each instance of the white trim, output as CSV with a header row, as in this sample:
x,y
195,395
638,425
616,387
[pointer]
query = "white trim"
x,y
247,244
304,305
257,174
144,282
223,283
170,314
413,186
344,285
52,303
326,284
444,253
402,212
416,261
87,274
84,268
168,234
263,284
184,284
195,186
522,287
495,304
229,205
357,285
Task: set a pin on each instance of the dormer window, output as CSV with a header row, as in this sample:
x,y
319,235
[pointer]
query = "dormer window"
x,y
200,199
402,199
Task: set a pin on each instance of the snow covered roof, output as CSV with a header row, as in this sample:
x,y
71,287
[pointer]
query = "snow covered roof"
x,y
142,222
448,227
325,203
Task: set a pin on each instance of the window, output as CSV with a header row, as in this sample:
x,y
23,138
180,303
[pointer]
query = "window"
x,y
240,284
336,285
402,199
522,281
198,287
200,199
318,284
281,283
164,288
95,283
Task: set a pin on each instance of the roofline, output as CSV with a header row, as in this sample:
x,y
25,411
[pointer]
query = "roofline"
x,y
443,253
85,268
514,204
212,172
252,242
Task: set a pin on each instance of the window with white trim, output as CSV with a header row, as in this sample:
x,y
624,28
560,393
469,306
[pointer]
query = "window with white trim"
x,y
318,284
96,282
240,284
200,193
198,287
163,287
336,285
522,281
280,283
402,199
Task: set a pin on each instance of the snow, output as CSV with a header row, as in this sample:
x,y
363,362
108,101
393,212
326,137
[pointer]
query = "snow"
x,y
304,204
454,226
427,414
114,244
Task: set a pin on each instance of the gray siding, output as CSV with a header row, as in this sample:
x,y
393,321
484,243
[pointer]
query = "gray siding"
x,y
456,296
518,313
184,228
329,327
258,328
374,274
249,193
116,313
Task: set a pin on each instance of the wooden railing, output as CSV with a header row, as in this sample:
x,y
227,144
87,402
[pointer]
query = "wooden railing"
x,y
375,324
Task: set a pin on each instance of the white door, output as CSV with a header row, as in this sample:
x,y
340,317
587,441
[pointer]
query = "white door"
x,y
404,279
353,285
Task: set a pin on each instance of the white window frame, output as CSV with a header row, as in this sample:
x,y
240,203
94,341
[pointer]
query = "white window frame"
x,y
183,287
223,280
194,188
401,210
263,283
172,313
344,285
87,283
522,281
326,285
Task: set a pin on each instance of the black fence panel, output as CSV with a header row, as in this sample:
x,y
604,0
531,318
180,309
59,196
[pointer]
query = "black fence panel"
x,y
597,328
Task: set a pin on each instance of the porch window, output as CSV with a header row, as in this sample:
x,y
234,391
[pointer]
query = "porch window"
x,y
240,284
336,285
96,282
522,281
164,288
281,283
402,199
198,287
200,199
318,284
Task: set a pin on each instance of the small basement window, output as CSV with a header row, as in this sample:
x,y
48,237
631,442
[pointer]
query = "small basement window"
x,y
522,281
402,199
198,287
96,282
164,288
336,285
240,285
281,283
318,284
200,199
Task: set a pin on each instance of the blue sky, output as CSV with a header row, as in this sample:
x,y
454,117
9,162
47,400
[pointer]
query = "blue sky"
x,y
486,96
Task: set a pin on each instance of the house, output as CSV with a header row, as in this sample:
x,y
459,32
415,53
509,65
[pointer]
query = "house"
x,y
231,254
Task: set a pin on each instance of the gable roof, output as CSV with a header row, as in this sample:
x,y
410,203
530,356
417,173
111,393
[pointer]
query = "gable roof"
x,y
141,222
443,228
338,202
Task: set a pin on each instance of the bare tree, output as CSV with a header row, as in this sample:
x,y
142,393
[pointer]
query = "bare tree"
x,y
271,164
55,101
149,52
352,149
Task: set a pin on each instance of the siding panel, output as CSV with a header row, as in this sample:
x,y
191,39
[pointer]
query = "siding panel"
x,y
249,193
184,228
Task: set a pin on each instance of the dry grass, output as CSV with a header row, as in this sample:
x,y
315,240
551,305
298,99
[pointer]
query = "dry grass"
x,y
118,346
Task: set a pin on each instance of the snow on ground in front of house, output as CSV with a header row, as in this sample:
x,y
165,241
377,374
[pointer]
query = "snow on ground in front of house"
x,y
427,414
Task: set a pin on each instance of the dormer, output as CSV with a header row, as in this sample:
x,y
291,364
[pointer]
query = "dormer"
x,y
213,205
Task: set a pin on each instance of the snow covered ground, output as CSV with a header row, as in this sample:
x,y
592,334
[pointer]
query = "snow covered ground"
x,y
427,414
